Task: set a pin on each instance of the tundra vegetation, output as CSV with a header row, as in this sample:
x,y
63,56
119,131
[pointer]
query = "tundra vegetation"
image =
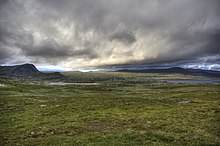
x,y
119,109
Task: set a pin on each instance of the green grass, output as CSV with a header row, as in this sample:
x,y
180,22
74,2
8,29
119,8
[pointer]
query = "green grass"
x,y
123,109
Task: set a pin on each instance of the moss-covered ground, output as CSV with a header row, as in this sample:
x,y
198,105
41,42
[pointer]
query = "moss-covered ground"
x,y
121,109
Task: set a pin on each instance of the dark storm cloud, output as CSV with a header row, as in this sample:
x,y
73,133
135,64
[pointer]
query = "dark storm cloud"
x,y
102,32
3,2
48,48
192,47
51,49
124,36
4,53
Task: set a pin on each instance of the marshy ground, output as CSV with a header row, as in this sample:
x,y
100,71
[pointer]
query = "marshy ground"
x,y
109,109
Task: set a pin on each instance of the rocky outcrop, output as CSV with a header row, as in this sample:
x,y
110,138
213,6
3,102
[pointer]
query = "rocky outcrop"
x,y
24,70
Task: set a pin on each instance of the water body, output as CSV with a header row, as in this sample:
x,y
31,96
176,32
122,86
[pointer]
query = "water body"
x,y
192,81
64,83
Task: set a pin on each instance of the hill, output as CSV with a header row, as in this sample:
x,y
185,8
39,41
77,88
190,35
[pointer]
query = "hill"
x,y
178,70
24,70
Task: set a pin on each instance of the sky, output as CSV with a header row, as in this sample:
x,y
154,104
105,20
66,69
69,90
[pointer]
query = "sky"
x,y
74,34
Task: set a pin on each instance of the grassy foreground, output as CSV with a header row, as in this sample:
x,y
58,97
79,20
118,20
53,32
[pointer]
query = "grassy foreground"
x,y
121,109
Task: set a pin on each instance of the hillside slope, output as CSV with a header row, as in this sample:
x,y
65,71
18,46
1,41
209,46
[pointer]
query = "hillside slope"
x,y
178,70
25,70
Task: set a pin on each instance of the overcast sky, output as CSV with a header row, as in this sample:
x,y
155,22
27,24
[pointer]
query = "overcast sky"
x,y
82,33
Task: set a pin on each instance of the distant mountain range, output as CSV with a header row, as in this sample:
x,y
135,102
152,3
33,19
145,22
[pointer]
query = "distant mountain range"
x,y
29,70
24,70
178,70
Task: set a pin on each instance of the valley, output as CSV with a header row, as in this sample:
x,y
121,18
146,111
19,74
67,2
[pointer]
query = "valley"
x,y
108,108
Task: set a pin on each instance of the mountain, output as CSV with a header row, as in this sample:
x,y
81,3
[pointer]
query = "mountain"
x,y
178,70
24,70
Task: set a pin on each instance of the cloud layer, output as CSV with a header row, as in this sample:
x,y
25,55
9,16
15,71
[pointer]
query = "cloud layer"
x,y
80,33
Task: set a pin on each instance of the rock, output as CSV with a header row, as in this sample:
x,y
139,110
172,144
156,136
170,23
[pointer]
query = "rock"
x,y
43,105
184,102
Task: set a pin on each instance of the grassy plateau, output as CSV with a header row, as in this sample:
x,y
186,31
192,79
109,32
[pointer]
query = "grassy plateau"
x,y
109,109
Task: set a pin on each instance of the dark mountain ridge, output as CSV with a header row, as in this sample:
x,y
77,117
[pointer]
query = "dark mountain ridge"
x,y
24,70
178,70
29,70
